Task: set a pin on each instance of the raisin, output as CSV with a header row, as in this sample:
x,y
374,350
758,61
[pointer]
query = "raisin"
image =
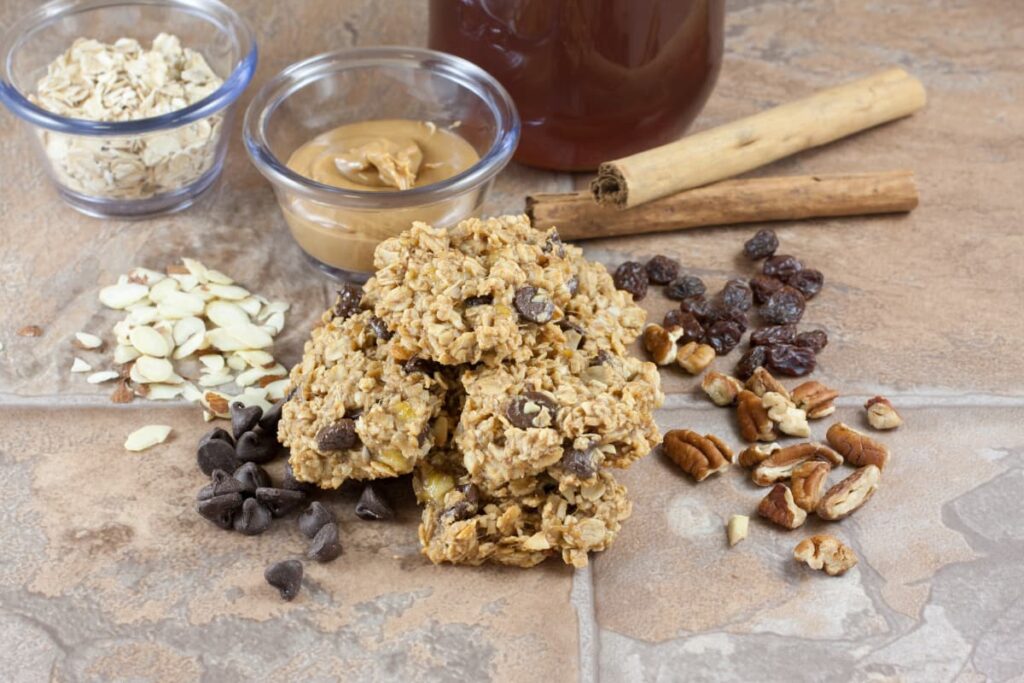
x,y
662,270
784,306
348,300
717,311
691,327
685,287
816,340
379,328
763,287
761,245
782,266
754,358
774,334
631,277
697,305
789,360
808,281
723,336
482,300
736,294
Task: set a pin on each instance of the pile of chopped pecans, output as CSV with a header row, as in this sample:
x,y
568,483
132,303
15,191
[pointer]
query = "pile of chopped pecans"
x,y
189,333
121,81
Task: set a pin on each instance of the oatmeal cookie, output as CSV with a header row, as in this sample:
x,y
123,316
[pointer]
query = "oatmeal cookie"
x,y
492,290
563,410
529,521
357,412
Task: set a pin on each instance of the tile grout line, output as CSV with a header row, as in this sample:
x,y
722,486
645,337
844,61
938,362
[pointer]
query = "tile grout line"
x,y
582,598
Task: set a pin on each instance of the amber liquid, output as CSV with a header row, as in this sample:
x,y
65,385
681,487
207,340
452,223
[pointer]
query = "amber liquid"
x,y
593,80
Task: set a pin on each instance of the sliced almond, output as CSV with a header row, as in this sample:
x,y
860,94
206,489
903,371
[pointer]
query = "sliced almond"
x,y
256,358
195,268
253,375
160,290
152,369
213,362
274,324
190,393
148,341
239,337
185,328
122,295
251,306
121,330
276,390
181,301
88,341
102,376
190,346
143,315
217,403
125,353
145,276
217,277
226,314
80,365
147,437
215,379
236,362
187,281
229,292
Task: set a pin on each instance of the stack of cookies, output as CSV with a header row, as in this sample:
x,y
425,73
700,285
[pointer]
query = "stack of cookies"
x,y
489,360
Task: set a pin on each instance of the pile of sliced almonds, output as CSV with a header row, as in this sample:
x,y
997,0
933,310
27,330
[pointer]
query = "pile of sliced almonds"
x,y
191,333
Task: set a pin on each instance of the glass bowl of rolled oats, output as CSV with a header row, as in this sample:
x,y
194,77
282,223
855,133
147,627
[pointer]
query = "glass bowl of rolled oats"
x,y
128,104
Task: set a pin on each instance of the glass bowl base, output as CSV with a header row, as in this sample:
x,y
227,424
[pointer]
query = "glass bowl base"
x,y
335,273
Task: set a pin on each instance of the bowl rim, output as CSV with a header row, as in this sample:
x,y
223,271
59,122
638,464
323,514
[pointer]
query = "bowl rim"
x,y
300,74
215,11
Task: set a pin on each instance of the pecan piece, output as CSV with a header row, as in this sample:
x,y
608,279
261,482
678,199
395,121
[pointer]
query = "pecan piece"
x,y
790,419
858,449
694,357
849,494
808,482
660,342
826,552
752,456
762,381
721,389
755,425
780,464
881,414
815,399
699,456
779,507
736,529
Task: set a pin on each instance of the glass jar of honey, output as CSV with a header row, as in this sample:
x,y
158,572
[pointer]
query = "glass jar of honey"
x,y
593,80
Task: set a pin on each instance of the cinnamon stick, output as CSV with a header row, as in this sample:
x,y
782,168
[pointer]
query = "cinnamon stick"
x,y
737,147
728,202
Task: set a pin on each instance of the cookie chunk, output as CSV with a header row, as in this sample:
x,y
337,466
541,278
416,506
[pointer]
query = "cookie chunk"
x,y
522,525
566,409
483,291
356,411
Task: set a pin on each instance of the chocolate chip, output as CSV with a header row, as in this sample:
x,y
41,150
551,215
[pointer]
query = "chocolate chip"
x,y
482,300
471,492
372,505
533,305
325,545
379,328
349,297
424,365
286,577
251,477
337,436
280,501
216,454
314,517
524,410
257,447
217,434
460,511
553,244
221,483
581,463
600,358
288,481
220,509
254,518
272,417
572,285
243,418
566,324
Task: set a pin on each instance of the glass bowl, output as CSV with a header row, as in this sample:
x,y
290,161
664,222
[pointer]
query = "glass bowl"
x,y
140,167
338,228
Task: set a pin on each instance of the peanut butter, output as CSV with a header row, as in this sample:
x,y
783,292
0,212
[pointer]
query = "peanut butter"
x,y
388,155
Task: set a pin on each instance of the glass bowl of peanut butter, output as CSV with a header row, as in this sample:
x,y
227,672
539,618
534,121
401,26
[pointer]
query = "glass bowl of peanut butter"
x,y
358,144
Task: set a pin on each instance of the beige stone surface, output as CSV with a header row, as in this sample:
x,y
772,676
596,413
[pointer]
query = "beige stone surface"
x,y
107,572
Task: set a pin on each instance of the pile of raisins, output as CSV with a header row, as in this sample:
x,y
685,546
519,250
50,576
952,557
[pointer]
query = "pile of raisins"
x,y
778,296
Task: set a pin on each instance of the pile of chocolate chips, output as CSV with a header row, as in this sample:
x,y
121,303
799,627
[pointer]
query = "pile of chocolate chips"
x,y
242,497
780,294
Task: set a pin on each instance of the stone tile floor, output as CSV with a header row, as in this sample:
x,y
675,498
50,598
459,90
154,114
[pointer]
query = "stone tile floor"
x,y
107,574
